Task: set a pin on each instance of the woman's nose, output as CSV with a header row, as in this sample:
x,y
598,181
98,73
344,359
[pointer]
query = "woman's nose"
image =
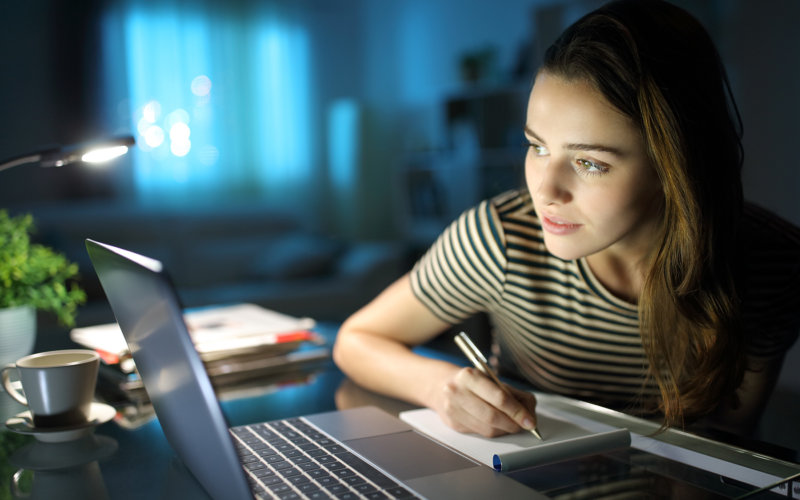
x,y
548,181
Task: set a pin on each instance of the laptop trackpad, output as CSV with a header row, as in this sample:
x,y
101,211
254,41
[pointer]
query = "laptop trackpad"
x,y
407,455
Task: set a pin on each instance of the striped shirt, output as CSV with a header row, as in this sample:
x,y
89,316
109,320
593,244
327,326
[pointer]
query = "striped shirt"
x,y
553,322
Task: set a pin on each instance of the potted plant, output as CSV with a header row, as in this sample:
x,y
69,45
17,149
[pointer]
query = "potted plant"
x,y
32,277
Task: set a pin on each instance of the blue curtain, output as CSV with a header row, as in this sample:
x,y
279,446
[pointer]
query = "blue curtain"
x,y
219,97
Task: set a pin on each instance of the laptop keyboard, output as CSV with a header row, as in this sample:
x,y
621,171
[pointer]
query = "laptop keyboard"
x,y
290,459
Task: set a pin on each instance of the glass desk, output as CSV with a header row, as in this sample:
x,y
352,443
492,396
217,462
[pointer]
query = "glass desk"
x,y
129,457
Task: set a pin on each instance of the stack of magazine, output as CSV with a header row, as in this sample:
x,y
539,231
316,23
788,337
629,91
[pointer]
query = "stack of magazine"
x,y
239,344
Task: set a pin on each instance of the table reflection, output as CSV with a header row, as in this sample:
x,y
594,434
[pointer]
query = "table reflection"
x,y
66,470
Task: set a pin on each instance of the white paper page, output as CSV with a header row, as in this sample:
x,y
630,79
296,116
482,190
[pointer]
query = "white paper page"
x,y
212,329
241,321
562,439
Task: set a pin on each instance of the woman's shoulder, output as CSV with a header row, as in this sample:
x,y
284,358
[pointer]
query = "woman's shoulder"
x,y
514,206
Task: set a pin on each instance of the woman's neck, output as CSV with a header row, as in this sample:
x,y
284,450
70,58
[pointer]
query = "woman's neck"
x,y
621,276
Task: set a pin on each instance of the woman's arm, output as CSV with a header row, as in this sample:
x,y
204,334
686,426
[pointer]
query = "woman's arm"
x,y
373,348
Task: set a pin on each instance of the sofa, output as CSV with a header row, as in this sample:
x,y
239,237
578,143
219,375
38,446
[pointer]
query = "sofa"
x,y
225,255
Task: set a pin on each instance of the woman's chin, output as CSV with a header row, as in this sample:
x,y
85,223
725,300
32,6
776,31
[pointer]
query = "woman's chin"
x,y
562,251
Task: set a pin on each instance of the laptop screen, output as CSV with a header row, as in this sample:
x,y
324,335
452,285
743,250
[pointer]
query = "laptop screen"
x,y
150,316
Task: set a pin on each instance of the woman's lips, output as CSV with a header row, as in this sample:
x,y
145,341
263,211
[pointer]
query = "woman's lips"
x,y
561,227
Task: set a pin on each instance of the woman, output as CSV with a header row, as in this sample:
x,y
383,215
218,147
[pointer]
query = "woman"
x,y
630,273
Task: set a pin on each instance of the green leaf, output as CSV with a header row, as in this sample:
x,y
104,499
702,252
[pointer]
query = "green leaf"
x,y
36,275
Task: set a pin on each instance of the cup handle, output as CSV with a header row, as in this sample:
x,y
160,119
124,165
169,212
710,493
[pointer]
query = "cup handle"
x,y
9,387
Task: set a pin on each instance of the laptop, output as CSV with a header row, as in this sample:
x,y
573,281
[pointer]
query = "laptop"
x,y
354,453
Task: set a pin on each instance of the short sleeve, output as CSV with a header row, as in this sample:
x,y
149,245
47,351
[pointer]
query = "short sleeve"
x,y
463,272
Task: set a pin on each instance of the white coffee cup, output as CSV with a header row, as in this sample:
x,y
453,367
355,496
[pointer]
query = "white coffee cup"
x,y
58,386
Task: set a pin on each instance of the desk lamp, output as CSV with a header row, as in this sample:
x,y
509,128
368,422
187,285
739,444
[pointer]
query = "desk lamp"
x,y
94,152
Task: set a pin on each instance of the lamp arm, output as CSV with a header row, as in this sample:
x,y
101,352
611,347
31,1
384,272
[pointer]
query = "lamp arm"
x,y
20,161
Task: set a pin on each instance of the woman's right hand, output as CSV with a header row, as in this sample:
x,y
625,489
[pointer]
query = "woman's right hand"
x,y
373,348
471,402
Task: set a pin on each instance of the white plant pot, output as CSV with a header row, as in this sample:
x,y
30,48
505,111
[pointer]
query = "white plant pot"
x,y
17,336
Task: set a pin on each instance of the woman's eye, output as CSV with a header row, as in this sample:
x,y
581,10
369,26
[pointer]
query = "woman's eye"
x,y
538,149
590,167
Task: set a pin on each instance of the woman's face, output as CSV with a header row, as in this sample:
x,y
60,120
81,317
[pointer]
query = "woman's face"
x,y
588,173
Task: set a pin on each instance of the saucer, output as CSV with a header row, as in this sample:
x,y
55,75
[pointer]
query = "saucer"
x,y
22,423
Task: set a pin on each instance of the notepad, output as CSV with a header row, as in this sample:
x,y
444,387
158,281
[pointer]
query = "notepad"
x,y
562,440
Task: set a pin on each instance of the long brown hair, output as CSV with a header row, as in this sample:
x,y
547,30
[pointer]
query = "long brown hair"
x,y
657,65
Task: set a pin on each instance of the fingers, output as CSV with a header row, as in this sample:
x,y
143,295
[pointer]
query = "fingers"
x,y
527,416
473,403
519,406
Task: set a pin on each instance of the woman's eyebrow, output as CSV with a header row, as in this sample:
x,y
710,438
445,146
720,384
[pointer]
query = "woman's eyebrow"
x,y
593,147
578,146
532,134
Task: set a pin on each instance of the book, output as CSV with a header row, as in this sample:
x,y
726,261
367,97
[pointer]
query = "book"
x,y
561,440
236,343
218,332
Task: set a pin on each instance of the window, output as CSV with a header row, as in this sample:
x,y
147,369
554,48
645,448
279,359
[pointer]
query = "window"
x,y
218,97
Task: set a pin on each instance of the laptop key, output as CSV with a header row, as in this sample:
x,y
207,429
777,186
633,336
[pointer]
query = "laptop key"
x,y
308,466
261,473
298,480
318,473
327,482
399,493
283,447
279,488
254,465
353,480
264,432
343,473
292,453
305,488
287,473
267,452
271,480
308,446
337,489
318,495
334,465
376,495
364,488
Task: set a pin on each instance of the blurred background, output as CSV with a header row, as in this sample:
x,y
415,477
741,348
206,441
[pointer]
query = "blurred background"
x,y
301,154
